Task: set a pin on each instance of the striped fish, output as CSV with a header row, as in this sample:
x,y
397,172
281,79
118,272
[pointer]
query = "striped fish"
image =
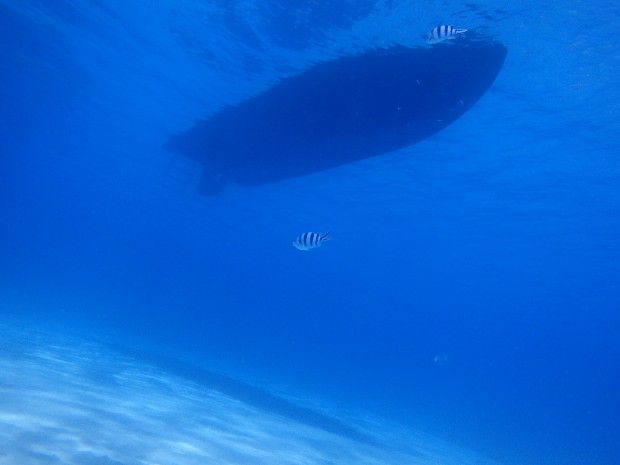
x,y
310,240
443,32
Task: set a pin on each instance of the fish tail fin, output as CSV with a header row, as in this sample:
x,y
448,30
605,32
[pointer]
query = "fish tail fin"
x,y
460,31
325,236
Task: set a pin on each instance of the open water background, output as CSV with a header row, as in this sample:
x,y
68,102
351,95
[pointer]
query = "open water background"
x,y
471,288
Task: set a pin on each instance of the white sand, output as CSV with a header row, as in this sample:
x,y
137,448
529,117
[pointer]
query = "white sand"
x,y
73,402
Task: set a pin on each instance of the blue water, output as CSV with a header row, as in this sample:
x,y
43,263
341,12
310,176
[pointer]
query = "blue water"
x,y
472,285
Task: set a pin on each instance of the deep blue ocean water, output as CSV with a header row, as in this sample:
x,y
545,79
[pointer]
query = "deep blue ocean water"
x,y
472,286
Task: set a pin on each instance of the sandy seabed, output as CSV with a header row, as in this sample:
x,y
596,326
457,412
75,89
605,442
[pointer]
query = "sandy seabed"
x,y
72,402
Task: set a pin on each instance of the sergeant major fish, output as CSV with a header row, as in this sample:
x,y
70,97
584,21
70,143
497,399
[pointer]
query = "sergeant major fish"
x,y
443,32
310,240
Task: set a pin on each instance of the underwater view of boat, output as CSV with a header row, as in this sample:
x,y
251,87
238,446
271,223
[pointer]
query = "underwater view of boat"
x,y
341,111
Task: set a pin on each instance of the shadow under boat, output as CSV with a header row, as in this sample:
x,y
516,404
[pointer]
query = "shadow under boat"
x,y
249,394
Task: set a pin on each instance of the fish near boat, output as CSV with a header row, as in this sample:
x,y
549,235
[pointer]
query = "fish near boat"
x,y
444,32
340,111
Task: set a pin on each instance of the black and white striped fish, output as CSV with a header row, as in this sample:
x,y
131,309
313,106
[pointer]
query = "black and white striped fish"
x,y
443,32
310,240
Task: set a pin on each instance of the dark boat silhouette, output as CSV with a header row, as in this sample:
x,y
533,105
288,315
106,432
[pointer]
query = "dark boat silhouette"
x,y
341,111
